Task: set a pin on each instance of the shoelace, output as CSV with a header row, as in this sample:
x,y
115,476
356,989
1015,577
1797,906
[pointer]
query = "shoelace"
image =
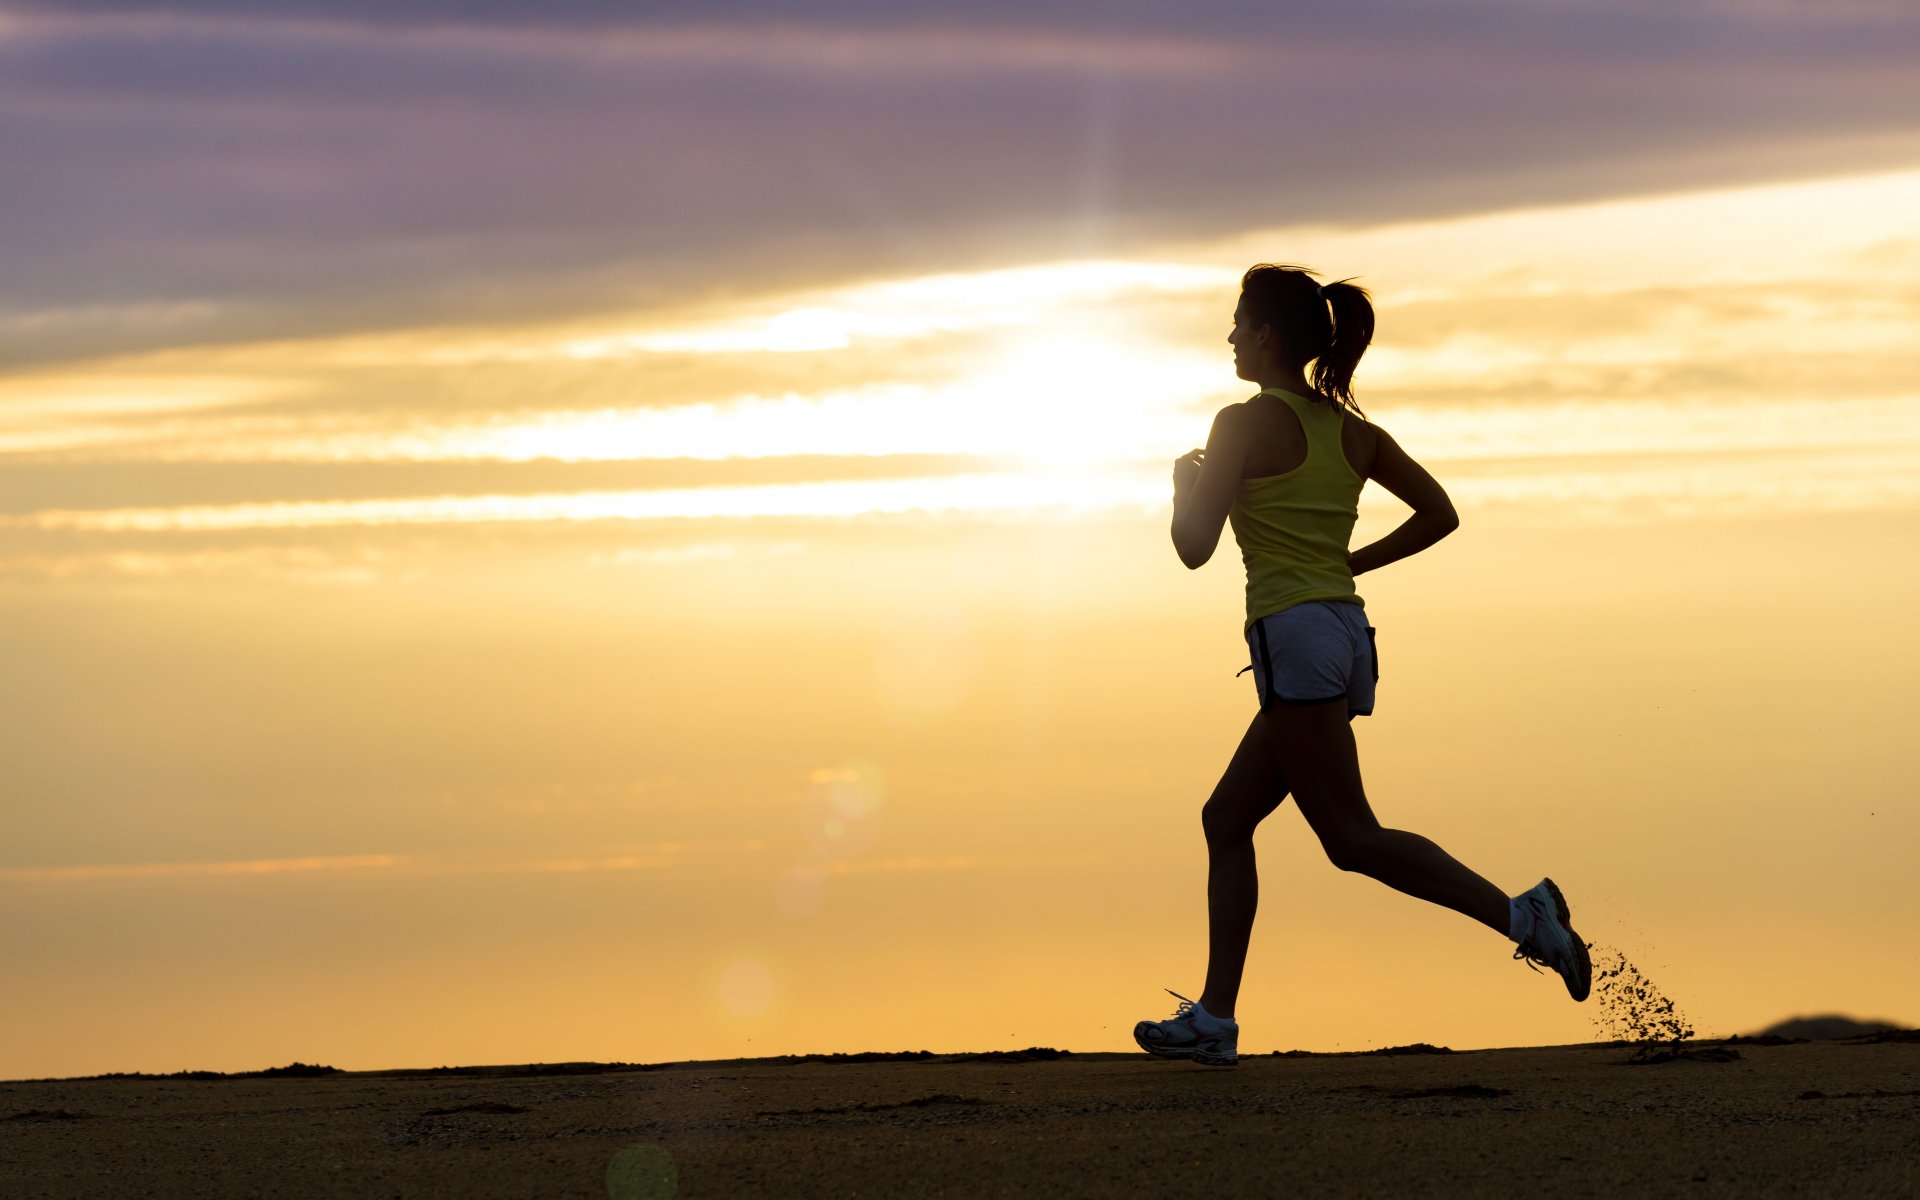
x,y
1186,1005
1529,953
1523,953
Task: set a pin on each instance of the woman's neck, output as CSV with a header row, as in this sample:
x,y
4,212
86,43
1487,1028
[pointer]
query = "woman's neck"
x,y
1294,381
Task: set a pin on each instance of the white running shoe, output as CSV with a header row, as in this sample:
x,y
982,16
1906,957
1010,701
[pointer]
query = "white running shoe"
x,y
1550,939
1183,1036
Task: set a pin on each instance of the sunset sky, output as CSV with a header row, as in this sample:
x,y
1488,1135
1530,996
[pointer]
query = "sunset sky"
x,y
638,532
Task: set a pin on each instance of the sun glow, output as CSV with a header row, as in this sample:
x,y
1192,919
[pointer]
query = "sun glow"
x,y
1049,395
1075,400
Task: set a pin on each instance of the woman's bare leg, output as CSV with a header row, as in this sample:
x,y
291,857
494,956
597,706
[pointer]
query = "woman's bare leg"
x,y
1314,746
1249,790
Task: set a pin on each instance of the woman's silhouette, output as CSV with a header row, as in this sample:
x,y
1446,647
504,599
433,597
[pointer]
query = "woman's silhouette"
x,y
1286,468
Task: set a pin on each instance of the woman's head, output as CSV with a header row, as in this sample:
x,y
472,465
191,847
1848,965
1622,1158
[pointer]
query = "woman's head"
x,y
1286,320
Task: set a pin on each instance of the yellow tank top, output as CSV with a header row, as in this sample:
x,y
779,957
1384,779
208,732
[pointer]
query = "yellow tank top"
x,y
1293,528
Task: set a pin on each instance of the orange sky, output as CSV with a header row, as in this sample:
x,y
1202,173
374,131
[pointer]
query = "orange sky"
x,y
811,667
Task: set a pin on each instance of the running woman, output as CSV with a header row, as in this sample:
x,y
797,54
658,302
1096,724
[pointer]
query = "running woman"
x,y
1286,468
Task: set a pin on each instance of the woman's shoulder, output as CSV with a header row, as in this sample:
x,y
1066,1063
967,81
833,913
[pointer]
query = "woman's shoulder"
x,y
1234,421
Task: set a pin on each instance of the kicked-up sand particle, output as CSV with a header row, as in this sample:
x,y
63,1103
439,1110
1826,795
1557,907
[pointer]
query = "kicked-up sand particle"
x,y
1629,1007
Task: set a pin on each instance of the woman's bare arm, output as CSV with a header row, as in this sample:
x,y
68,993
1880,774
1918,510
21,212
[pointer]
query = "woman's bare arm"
x,y
1204,484
1433,516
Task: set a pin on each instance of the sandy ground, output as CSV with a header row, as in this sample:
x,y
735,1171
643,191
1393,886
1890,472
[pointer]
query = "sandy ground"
x,y
1816,1118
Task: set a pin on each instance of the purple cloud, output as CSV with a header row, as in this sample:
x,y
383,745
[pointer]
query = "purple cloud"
x,y
215,170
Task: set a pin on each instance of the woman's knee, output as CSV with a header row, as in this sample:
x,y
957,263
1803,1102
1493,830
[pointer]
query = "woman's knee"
x,y
1351,850
1224,821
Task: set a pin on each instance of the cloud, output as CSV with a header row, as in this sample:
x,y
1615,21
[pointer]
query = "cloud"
x,y
1476,20
1594,338
300,565
220,171
632,858
188,870
961,862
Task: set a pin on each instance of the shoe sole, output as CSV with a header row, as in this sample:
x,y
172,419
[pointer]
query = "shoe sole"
x,y
1579,947
1190,1053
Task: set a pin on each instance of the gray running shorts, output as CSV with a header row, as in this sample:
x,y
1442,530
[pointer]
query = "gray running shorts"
x,y
1315,652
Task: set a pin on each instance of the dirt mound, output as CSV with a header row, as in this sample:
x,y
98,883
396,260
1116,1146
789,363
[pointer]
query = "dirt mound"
x,y
1827,1027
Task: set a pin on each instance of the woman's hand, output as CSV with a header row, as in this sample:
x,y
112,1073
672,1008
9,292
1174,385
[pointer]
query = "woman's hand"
x,y
1186,469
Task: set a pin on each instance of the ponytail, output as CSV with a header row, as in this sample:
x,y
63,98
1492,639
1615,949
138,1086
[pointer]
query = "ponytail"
x,y
1352,331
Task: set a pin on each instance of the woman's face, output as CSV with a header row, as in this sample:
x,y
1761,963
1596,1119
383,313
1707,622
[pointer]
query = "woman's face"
x,y
1247,350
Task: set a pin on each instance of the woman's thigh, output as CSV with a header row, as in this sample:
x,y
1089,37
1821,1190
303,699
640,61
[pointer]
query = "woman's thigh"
x,y
1250,788
1313,746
